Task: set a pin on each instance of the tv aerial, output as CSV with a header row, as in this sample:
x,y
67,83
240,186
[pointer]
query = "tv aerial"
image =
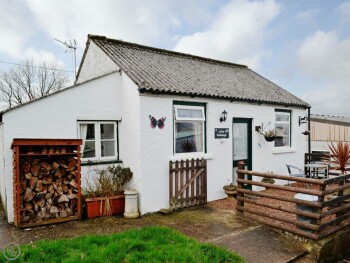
x,y
71,46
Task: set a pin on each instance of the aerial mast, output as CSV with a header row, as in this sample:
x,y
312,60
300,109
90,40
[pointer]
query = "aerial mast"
x,y
71,46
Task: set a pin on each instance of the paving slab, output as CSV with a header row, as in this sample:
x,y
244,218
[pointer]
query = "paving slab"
x,y
260,245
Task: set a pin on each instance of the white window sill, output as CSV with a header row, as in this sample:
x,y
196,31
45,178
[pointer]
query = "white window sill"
x,y
187,156
283,150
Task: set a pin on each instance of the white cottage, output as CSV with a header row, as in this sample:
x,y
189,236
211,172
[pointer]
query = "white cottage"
x,y
143,107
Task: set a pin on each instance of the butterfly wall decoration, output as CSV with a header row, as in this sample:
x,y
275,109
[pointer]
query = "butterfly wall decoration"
x,y
154,122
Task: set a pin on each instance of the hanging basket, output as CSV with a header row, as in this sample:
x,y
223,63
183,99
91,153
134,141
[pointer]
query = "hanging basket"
x,y
270,139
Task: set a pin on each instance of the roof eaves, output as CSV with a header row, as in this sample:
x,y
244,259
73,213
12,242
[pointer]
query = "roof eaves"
x,y
144,90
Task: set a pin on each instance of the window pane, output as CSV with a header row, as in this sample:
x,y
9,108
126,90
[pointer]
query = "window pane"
x,y
190,113
107,148
90,133
282,117
189,137
240,141
283,135
89,149
107,131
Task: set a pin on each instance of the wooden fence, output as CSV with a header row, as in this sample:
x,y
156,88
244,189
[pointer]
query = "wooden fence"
x,y
330,213
187,183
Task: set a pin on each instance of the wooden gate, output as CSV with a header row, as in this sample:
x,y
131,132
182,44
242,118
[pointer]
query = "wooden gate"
x,y
187,183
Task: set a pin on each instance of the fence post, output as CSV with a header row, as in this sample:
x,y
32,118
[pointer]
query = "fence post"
x,y
241,166
340,194
320,200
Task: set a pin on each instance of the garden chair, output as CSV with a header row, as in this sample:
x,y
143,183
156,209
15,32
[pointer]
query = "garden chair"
x,y
295,172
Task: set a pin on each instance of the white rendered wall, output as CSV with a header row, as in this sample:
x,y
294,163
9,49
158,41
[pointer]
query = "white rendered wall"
x,y
95,64
157,146
56,117
2,168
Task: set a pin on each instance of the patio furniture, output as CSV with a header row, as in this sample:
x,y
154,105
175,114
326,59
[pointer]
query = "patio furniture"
x,y
318,169
295,172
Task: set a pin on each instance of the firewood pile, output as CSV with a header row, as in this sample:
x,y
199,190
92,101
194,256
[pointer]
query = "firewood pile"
x,y
49,188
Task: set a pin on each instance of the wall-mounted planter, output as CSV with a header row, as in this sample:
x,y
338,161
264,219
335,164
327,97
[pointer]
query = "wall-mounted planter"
x,y
96,207
269,139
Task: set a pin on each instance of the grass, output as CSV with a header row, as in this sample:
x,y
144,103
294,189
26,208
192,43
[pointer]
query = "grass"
x,y
149,244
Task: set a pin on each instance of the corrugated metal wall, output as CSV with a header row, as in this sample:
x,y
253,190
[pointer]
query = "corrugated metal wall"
x,y
329,132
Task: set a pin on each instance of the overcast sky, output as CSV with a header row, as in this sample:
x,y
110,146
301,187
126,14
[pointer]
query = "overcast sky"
x,y
303,46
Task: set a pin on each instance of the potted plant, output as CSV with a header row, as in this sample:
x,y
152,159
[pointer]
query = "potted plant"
x,y
269,135
230,190
340,156
105,196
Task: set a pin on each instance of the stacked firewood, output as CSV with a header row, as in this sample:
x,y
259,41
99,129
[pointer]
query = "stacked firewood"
x,y
49,188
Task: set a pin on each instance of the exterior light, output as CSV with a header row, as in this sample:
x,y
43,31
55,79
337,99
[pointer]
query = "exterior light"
x,y
223,116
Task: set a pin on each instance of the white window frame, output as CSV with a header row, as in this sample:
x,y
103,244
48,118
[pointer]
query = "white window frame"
x,y
98,156
182,107
189,120
289,114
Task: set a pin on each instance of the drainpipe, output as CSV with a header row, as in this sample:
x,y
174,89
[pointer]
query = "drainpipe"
x,y
309,128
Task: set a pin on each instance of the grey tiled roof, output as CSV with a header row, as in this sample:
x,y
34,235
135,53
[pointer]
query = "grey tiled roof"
x,y
339,120
163,71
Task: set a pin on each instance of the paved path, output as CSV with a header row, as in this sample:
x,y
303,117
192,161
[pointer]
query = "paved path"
x,y
256,243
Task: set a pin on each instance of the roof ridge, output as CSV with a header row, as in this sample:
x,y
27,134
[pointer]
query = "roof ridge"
x,y
170,52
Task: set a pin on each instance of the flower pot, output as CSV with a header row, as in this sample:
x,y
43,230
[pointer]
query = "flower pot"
x,y
230,190
270,139
95,207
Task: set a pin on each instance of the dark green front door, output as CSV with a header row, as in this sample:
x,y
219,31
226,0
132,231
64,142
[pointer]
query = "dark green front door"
x,y
242,145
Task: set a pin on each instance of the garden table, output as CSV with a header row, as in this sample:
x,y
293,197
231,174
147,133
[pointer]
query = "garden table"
x,y
315,168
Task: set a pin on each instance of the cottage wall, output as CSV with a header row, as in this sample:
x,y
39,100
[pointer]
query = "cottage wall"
x,y
96,63
56,117
145,150
157,146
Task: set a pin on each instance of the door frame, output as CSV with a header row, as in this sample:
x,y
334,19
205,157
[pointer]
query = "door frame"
x,y
249,121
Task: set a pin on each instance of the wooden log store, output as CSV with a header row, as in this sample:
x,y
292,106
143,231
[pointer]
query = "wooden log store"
x,y
46,176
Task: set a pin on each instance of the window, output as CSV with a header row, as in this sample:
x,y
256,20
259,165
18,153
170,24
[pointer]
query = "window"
x,y
189,129
283,128
99,140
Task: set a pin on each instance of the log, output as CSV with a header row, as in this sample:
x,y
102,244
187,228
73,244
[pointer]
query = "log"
x,y
41,202
71,164
32,182
51,189
47,180
29,207
23,184
63,213
39,186
65,188
53,209
35,169
74,184
58,173
29,194
55,166
43,172
61,207
63,198
26,167
59,190
48,196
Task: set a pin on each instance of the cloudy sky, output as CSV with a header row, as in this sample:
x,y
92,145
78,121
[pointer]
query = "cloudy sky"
x,y
303,46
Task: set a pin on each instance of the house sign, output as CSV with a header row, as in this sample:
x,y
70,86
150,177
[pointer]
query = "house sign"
x,y
222,133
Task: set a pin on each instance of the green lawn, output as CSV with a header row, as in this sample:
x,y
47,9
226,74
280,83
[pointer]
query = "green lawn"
x,y
150,244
